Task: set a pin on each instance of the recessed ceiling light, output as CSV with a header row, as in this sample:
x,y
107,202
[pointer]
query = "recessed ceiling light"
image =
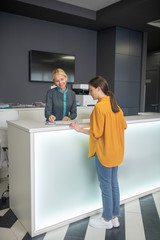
x,y
69,57
155,23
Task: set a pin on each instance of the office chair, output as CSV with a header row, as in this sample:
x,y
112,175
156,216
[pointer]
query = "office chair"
x,y
4,157
5,115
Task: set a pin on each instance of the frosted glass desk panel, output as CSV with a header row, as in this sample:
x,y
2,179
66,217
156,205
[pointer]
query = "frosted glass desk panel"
x,y
66,184
140,170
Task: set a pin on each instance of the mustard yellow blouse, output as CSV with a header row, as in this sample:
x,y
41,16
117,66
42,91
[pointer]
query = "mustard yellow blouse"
x,y
106,135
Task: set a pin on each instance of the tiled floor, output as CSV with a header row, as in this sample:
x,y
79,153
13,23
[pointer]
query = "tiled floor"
x,y
140,220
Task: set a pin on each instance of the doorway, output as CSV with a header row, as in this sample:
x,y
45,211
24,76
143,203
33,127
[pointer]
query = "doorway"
x,y
152,90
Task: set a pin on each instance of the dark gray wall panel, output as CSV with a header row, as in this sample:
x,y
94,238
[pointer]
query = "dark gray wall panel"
x,y
127,68
127,94
128,42
121,67
119,57
21,34
106,55
130,111
122,41
135,43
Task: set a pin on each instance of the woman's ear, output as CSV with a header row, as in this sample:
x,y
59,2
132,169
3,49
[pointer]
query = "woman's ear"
x,y
99,89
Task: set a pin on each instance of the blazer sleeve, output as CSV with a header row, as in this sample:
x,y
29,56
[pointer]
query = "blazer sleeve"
x,y
73,110
48,107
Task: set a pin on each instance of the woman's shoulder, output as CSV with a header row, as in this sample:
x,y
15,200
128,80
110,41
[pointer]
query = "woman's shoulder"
x,y
71,92
52,91
102,106
99,108
121,111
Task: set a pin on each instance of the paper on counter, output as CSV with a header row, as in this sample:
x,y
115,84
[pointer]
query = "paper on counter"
x,y
59,122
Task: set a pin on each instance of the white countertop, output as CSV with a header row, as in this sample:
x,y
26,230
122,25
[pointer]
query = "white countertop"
x,y
21,109
143,117
32,107
35,126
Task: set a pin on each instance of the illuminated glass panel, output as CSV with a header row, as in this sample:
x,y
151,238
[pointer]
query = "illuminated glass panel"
x,y
140,170
66,184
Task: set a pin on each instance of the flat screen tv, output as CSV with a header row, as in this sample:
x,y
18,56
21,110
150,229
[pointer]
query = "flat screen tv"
x,y
42,64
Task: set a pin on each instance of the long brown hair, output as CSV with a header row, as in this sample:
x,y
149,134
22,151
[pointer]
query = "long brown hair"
x,y
101,82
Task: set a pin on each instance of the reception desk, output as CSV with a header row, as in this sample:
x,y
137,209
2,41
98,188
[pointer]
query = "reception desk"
x,y
52,181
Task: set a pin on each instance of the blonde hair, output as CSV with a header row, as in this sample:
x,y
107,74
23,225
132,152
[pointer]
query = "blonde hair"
x,y
58,71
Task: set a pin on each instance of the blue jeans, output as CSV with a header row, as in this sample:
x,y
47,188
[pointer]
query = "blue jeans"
x,y
110,189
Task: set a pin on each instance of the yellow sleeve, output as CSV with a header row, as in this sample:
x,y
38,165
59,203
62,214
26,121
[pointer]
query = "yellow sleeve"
x,y
97,124
124,121
125,124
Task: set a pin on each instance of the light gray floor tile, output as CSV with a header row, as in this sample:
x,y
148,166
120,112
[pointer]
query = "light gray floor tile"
x,y
93,233
2,212
57,234
6,234
133,221
18,230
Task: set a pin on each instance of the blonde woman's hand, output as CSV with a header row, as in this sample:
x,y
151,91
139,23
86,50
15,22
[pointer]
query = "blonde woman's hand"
x,y
52,118
66,119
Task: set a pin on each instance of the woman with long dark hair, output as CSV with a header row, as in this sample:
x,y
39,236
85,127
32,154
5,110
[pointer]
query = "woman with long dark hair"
x,y
106,143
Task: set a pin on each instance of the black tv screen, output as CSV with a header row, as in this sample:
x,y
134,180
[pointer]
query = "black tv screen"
x,y
42,64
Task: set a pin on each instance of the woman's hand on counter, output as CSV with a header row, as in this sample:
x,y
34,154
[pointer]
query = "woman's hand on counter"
x,y
52,118
66,119
77,128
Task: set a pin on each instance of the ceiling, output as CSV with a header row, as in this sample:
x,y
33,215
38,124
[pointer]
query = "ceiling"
x,y
94,14
94,5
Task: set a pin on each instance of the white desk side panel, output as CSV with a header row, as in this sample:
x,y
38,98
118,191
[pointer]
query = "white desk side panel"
x,y
20,175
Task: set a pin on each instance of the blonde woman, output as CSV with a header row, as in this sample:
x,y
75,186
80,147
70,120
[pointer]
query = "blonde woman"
x,y
60,101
